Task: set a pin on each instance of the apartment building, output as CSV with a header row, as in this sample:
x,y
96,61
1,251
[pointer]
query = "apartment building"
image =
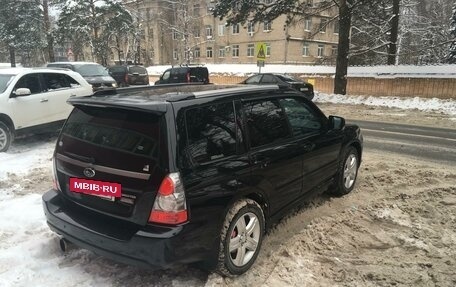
x,y
179,32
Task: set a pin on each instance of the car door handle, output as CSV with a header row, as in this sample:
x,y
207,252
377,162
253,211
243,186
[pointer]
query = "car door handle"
x,y
44,100
72,96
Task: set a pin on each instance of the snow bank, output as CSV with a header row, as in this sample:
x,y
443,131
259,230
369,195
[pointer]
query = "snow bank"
x,y
400,71
422,104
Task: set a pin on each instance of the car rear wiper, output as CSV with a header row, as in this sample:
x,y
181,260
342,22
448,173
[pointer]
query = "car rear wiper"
x,y
81,158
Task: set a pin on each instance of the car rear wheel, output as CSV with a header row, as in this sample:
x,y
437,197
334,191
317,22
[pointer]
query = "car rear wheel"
x,y
241,238
6,137
348,172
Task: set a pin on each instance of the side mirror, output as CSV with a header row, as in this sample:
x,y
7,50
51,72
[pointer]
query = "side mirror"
x,y
336,123
22,92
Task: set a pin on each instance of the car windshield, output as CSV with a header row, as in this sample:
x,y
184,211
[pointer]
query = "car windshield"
x,y
90,70
4,82
288,78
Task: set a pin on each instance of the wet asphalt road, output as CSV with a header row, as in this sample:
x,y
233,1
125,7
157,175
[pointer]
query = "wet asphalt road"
x,y
433,144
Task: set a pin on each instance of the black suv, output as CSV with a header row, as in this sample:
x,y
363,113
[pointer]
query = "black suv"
x,y
184,74
129,75
185,174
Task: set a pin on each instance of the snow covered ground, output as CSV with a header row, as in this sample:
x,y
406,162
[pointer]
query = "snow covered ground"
x,y
306,249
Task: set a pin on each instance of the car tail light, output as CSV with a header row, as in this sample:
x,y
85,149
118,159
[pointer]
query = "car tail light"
x,y
188,77
55,181
126,79
170,206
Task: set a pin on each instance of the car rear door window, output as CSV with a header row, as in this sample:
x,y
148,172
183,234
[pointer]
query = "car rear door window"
x,y
301,117
268,79
254,79
211,132
266,122
55,81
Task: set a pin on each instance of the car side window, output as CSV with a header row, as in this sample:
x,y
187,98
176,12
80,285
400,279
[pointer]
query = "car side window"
x,y
268,79
211,133
55,81
31,82
266,122
301,117
253,80
73,83
166,75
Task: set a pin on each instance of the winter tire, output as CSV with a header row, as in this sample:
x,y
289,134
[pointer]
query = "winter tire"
x,y
241,238
6,137
347,172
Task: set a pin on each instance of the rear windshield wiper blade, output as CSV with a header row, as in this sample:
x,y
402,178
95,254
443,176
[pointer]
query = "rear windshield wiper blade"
x,y
81,158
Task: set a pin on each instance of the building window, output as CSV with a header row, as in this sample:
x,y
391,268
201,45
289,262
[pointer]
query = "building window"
x,y
336,26
268,49
323,24
196,33
209,52
196,10
321,51
235,51
209,31
305,50
307,23
267,26
221,29
250,50
235,29
175,54
333,50
209,9
221,53
309,3
175,35
250,27
197,53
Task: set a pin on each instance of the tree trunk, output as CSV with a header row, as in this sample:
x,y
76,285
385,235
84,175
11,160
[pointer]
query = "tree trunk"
x,y
392,47
47,29
12,56
340,80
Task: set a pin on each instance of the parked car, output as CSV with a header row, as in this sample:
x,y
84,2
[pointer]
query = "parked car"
x,y
35,99
193,173
281,80
129,75
95,74
184,74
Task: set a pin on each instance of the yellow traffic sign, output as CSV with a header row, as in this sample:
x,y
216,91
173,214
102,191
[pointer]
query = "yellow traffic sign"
x,y
261,51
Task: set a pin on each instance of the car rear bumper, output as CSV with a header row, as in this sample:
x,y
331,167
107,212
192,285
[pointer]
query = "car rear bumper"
x,y
161,247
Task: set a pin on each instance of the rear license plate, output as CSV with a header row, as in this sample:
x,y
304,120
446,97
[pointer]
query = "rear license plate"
x,y
303,89
103,189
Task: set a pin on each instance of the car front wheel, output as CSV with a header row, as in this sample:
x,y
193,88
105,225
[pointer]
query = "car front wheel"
x,y
6,137
241,238
347,173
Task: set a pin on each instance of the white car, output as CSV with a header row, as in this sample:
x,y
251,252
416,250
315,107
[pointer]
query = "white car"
x,y
35,98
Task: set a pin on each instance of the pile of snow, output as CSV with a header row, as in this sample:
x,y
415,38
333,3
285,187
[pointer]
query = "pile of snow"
x,y
400,71
422,104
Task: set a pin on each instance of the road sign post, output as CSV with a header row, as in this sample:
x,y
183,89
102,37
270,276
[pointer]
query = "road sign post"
x,y
260,55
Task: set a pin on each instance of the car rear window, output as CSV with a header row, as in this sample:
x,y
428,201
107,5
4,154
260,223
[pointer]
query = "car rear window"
x,y
117,69
139,70
120,130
